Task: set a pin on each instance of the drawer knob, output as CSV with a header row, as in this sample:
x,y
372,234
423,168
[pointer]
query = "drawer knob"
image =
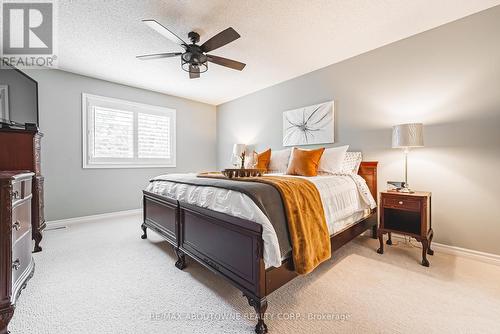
x,y
16,264
15,194
400,202
16,226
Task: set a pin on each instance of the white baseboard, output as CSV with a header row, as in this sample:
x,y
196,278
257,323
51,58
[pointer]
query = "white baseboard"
x,y
86,219
462,252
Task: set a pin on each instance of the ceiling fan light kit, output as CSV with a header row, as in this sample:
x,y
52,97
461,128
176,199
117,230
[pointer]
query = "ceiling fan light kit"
x,y
195,58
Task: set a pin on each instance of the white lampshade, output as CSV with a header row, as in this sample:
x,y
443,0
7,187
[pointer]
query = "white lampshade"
x,y
238,149
407,135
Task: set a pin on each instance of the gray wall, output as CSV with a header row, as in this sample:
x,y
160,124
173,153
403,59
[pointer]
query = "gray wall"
x,y
72,191
448,78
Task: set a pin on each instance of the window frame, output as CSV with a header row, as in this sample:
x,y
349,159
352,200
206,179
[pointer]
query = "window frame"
x,y
90,101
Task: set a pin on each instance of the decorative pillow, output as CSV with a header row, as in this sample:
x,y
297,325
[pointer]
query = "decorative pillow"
x,y
279,161
305,162
332,160
263,159
351,163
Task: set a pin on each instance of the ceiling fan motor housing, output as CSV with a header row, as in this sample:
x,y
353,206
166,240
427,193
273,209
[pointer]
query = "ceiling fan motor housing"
x,y
194,59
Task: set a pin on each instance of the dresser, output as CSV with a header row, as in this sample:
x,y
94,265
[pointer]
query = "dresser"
x,y
21,150
16,262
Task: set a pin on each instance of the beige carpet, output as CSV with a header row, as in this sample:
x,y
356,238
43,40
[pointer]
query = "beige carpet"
x,y
100,277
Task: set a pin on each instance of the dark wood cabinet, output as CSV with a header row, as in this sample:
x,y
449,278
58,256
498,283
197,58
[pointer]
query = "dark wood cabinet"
x,y
408,214
16,262
21,150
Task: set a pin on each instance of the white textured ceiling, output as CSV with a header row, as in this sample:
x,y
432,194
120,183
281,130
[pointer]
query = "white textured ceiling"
x,y
280,39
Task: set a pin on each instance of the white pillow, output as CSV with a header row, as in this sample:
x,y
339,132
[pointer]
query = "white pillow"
x,y
351,163
332,159
279,161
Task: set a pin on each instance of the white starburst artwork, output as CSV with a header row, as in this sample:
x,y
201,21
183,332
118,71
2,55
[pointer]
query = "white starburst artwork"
x,y
309,125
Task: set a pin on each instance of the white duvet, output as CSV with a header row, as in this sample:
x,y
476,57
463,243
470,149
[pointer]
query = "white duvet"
x,y
345,199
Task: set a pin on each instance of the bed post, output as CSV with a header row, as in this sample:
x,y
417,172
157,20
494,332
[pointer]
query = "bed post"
x,y
181,259
374,231
368,171
143,226
258,300
260,307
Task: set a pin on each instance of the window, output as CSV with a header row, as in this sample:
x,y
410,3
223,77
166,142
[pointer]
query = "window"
x,y
123,134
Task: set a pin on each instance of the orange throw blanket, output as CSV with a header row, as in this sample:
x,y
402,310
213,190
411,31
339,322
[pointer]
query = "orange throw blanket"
x,y
307,227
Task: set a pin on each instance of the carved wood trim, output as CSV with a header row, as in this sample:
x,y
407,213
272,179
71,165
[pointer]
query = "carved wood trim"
x,y
5,242
6,315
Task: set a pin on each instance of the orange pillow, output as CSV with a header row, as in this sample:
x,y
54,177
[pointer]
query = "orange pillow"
x,y
263,159
304,162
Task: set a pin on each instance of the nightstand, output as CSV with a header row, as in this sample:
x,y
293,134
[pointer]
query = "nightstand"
x,y
407,214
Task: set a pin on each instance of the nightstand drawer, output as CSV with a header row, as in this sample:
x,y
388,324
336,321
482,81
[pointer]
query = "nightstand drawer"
x,y
401,203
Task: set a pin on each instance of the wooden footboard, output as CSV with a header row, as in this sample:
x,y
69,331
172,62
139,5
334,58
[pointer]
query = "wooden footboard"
x,y
232,247
229,246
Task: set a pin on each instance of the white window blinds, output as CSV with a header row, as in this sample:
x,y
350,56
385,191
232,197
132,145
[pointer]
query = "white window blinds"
x,y
119,134
113,133
154,134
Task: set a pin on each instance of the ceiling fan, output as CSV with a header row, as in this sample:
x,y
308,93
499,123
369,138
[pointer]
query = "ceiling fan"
x,y
195,58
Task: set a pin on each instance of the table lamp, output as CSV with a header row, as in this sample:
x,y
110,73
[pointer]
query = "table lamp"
x,y
406,136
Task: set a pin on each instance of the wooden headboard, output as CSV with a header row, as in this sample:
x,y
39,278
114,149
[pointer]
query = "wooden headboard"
x,y
368,171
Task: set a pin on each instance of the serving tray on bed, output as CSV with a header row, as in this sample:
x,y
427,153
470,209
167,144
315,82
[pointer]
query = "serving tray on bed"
x,y
242,172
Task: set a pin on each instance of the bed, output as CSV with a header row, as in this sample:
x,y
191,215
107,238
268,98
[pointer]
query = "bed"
x,y
232,239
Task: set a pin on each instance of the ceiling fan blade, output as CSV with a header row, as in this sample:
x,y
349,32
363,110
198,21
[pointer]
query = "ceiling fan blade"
x,y
221,39
194,72
153,24
159,55
235,65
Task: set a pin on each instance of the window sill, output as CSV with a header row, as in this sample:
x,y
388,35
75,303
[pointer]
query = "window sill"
x,y
112,166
